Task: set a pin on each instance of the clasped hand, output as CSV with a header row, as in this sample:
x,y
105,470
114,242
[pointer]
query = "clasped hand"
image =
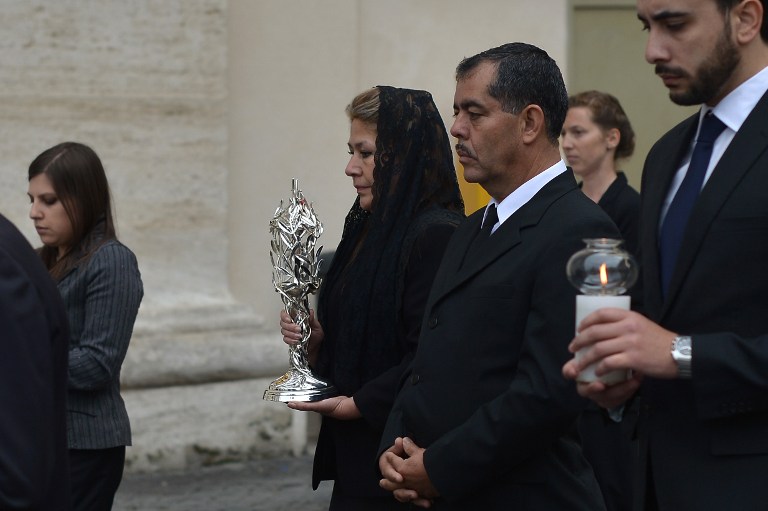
x,y
402,466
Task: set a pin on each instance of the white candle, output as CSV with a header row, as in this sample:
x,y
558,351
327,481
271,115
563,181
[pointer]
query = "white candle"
x,y
585,305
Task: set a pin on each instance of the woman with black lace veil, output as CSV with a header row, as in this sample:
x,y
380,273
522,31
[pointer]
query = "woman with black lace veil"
x,y
373,298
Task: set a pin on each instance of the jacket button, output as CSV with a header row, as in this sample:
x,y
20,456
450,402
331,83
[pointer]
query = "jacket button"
x,y
432,322
415,379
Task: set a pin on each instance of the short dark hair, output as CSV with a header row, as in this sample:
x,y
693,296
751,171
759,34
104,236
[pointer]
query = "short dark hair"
x,y
80,183
606,111
725,5
525,75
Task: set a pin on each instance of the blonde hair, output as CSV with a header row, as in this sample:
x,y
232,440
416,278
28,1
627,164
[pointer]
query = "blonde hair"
x,y
365,107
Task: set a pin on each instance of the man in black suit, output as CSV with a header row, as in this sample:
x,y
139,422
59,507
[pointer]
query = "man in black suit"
x,y
702,353
33,381
484,420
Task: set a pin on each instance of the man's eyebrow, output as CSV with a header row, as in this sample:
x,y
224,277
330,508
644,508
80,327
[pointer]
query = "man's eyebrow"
x,y
662,15
469,103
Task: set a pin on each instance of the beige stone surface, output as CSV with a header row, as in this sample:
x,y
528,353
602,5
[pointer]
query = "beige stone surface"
x,y
194,345
185,426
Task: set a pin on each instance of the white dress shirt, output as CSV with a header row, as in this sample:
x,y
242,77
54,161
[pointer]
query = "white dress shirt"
x,y
524,193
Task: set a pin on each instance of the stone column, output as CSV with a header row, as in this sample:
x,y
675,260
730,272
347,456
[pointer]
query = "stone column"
x,y
145,84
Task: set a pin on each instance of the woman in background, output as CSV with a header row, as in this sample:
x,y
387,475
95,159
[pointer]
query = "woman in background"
x,y
596,135
372,301
99,282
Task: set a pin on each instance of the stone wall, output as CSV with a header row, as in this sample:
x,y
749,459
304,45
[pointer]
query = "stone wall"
x,y
145,84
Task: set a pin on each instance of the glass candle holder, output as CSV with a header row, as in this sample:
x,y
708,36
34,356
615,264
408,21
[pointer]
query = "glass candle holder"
x,y
602,271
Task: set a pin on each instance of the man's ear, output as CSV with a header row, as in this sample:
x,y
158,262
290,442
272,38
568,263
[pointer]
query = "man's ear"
x,y
747,17
533,123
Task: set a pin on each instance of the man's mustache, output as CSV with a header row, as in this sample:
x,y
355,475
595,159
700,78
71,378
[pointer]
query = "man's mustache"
x,y
462,150
662,69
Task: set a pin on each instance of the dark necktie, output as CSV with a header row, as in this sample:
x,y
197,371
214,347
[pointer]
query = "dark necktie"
x,y
491,217
675,222
478,244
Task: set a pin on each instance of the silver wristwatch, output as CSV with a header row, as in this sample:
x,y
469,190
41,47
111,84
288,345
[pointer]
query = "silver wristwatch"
x,y
682,352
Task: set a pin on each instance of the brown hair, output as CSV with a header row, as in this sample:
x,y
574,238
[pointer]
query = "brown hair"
x,y
80,183
607,113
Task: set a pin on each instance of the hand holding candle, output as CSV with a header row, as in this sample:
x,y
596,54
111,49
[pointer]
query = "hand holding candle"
x,y
602,272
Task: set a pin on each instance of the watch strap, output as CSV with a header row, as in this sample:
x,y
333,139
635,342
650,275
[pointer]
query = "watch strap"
x,y
682,354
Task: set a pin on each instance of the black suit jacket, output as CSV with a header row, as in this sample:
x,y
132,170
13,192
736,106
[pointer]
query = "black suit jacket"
x,y
485,394
33,381
622,203
707,438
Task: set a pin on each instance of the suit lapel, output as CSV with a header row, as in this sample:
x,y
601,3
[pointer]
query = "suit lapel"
x,y
460,244
483,251
457,271
747,146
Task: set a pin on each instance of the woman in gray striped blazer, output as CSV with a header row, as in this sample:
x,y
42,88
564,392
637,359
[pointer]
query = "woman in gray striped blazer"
x,y
99,281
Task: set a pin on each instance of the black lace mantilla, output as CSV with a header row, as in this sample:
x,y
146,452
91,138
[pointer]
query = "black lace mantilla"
x,y
414,186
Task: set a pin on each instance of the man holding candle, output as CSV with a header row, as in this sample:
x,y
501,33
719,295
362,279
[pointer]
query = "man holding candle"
x,y
701,359
484,419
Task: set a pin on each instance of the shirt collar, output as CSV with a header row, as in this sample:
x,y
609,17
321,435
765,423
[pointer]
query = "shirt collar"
x,y
525,192
734,109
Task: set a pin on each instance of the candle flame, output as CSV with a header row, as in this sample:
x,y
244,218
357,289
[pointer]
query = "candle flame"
x,y
603,275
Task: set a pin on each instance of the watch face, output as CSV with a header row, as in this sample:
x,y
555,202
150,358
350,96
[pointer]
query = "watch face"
x,y
683,346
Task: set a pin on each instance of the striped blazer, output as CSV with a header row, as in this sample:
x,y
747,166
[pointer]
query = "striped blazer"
x,y
102,298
